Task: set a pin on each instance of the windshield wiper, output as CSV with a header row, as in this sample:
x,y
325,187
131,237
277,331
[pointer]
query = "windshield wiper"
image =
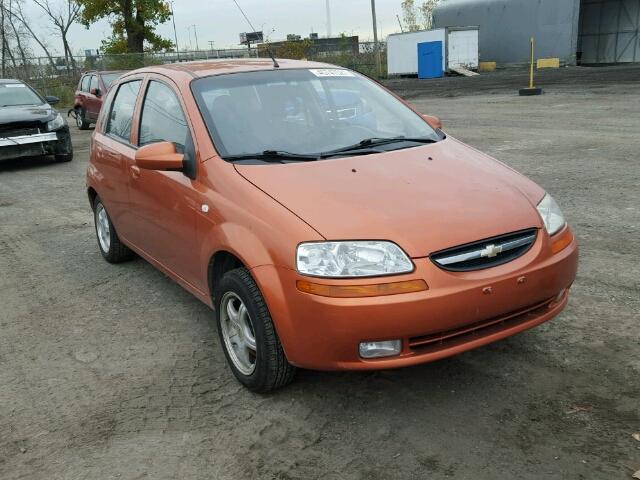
x,y
276,156
367,143
363,147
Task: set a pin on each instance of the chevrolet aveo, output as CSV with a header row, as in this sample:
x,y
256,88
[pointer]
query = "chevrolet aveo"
x,y
329,224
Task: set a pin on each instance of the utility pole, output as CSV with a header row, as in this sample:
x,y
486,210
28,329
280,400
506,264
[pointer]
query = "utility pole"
x,y
375,38
328,19
195,34
211,42
175,33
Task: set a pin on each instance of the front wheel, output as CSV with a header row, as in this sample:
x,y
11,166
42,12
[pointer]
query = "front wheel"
x,y
250,342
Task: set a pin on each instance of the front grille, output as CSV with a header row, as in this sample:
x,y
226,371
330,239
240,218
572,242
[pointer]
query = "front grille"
x,y
485,253
450,338
18,129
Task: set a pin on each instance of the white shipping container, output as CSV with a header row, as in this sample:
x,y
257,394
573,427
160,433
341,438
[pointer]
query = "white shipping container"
x,y
462,48
402,50
459,48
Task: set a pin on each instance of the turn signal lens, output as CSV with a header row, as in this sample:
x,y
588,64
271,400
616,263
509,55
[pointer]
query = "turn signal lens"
x,y
356,291
562,242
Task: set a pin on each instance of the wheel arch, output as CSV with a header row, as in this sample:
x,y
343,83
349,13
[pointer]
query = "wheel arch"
x,y
220,263
92,194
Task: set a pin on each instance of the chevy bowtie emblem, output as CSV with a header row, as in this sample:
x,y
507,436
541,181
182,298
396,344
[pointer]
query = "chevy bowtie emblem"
x,y
490,251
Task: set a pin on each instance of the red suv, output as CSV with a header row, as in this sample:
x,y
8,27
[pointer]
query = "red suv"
x,y
88,100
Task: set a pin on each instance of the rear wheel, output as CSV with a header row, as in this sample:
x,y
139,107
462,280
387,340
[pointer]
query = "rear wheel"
x,y
112,249
249,339
81,120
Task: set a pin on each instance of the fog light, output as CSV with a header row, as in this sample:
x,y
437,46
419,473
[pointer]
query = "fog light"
x,y
388,348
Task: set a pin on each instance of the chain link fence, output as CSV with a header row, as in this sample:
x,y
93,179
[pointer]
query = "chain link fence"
x,y
59,76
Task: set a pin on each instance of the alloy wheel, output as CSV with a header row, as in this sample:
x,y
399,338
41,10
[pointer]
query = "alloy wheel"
x,y
238,333
102,227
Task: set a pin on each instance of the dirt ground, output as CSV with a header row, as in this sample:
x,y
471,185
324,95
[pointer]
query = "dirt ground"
x,y
116,372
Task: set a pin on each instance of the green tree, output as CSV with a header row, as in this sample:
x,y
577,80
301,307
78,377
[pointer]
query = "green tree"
x,y
133,23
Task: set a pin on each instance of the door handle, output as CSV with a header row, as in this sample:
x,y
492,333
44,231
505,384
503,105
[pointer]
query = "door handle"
x,y
135,171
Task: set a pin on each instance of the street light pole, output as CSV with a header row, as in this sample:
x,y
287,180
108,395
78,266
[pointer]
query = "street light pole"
x,y
175,33
375,38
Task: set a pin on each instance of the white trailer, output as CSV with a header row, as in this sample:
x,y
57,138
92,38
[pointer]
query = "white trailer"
x,y
459,48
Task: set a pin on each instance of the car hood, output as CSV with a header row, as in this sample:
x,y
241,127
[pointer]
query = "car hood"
x,y
425,199
26,113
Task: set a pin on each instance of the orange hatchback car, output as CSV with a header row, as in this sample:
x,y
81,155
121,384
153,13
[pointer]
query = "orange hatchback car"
x,y
328,223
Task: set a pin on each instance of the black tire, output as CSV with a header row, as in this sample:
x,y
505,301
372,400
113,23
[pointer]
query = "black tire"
x,y
81,120
272,370
117,251
67,157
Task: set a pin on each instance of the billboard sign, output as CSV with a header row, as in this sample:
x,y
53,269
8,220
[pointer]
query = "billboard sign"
x,y
247,38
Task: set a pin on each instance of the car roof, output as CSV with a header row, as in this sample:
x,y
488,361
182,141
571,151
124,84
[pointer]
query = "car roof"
x,y
10,80
103,72
206,68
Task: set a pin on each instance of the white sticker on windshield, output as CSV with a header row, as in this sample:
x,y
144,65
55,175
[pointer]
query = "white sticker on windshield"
x,y
331,72
15,85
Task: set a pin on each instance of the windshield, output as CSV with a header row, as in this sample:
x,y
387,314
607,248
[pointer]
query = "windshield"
x,y
302,112
108,78
14,94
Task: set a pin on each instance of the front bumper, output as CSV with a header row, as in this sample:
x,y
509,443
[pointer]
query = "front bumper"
x,y
47,143
460,311
28,139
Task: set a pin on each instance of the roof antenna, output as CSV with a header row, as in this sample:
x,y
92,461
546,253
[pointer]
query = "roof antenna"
x,y
275,62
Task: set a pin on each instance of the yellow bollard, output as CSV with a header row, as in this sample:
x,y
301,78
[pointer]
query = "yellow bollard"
x,y
531,90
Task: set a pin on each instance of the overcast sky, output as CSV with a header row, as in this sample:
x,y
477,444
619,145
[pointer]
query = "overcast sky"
x,y
220,21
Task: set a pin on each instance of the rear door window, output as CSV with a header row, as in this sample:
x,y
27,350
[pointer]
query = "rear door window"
x,y
123,106
162,117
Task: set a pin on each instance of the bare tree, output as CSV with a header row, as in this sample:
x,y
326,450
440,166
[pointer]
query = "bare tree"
x,y
17,15
3,34
426,9
62,17
19,37
411,13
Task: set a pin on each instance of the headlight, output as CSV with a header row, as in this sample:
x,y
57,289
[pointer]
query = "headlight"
x,y
551,214
56,123
351,259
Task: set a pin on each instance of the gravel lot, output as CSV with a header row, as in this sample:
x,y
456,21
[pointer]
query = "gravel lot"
x,y
116,372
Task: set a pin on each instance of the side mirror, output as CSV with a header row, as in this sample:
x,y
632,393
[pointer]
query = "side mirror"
x,y
159,156
51,100
96,92
434,122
